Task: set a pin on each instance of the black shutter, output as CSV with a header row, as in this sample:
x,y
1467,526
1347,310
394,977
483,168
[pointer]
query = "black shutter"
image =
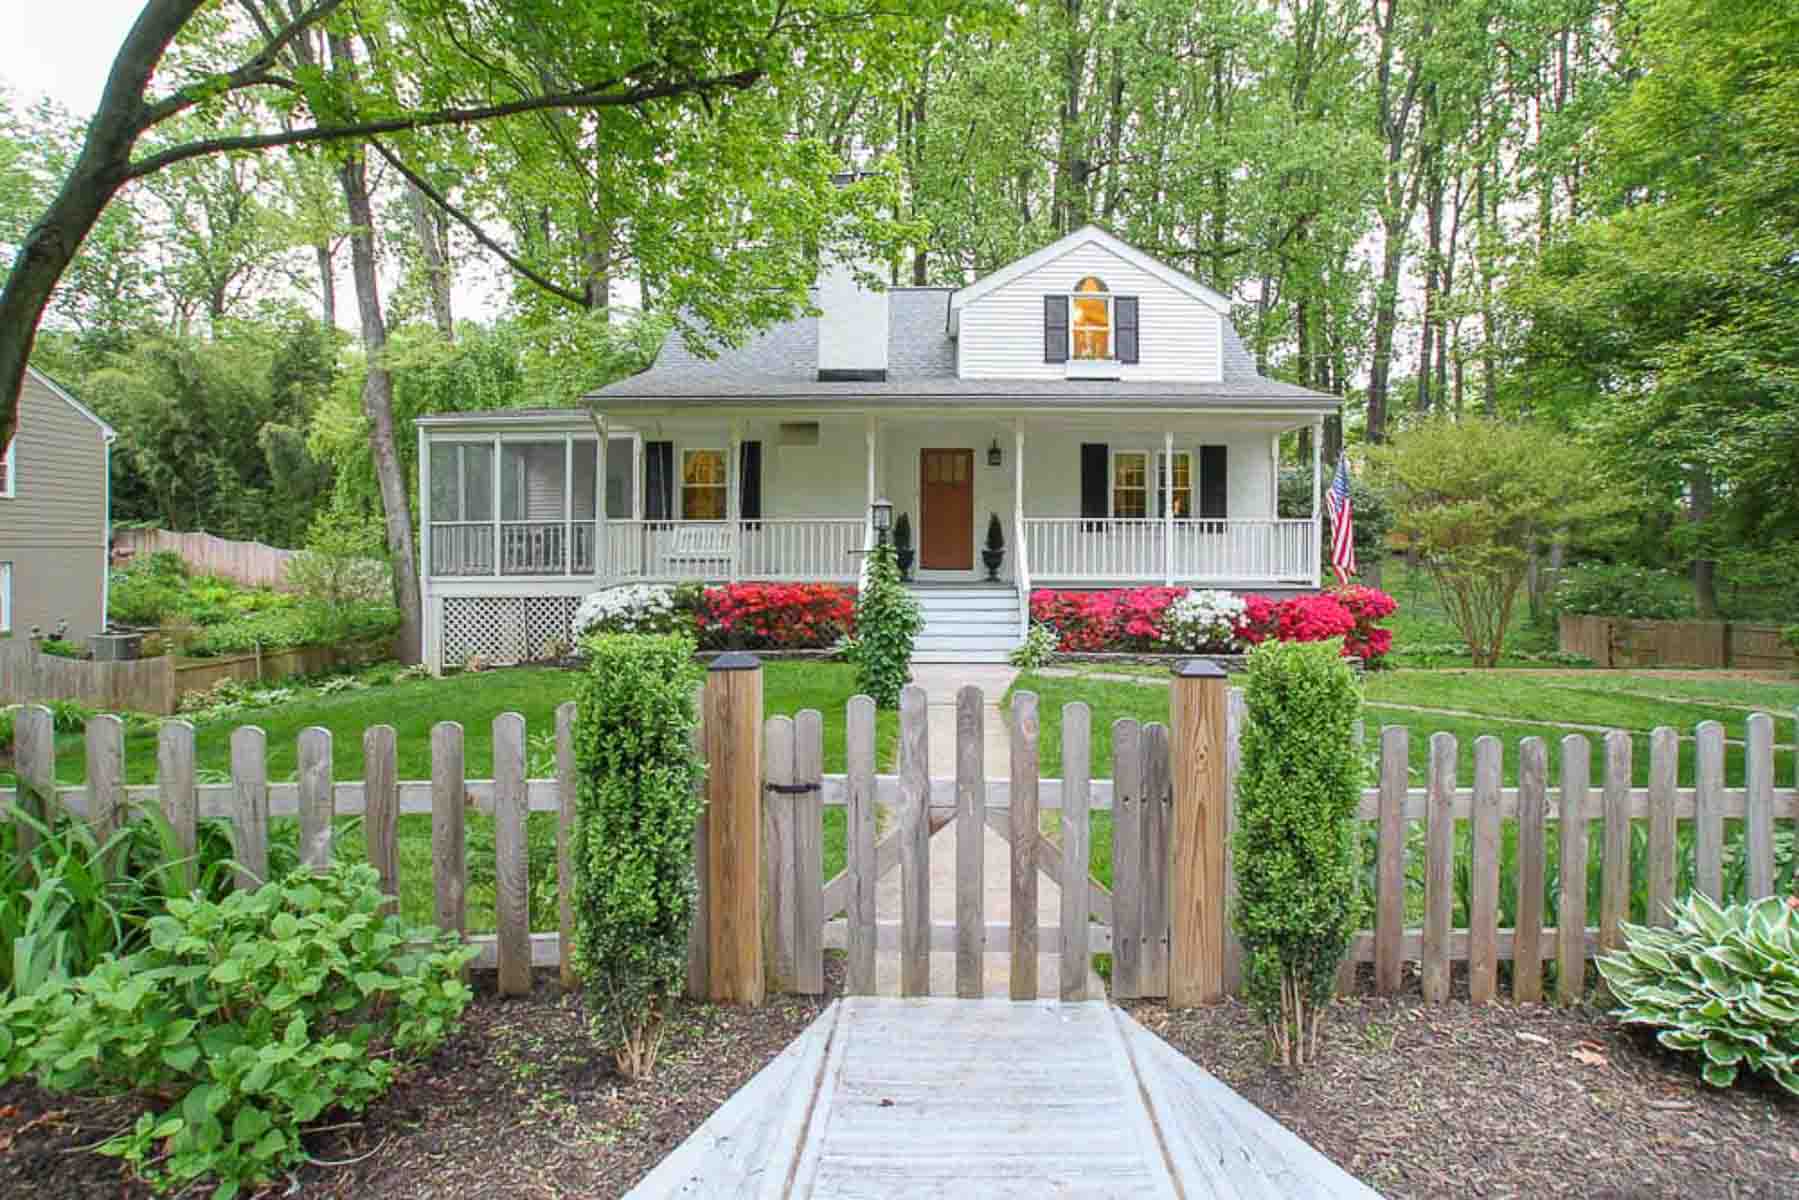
x,y
1124,311
749,493
1095,458
1214,483
658,481
1055,329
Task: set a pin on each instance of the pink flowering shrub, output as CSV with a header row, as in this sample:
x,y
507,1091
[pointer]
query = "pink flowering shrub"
x,y
1135,619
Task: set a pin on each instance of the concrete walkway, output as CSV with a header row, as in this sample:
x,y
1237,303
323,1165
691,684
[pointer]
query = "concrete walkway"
x,y
990,1098
940,682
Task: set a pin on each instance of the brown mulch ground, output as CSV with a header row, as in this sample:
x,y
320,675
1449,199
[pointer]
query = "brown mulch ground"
x,y
519,1103
1507,1101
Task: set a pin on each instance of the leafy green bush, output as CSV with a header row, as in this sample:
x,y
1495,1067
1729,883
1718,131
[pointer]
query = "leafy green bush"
x,y
1618,590
1790,635
1295,847
242,1021
287,629
344,562
1037,650
887,623
62,648
633,841
1722,982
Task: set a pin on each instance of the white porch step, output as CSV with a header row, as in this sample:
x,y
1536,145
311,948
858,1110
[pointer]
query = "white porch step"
x,y
967,624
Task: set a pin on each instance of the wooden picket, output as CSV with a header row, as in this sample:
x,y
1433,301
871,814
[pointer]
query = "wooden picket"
x,y
1132,920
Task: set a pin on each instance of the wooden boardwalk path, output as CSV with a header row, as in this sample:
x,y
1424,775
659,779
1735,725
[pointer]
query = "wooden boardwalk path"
x,y
885,1097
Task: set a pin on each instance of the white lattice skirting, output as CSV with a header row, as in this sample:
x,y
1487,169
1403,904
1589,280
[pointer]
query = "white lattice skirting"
x,y
505,629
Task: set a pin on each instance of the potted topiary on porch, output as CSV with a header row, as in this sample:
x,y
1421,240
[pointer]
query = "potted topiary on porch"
x,y
994,556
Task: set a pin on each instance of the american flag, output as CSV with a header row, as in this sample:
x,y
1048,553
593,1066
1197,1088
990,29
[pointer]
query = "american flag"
x,y
1342,522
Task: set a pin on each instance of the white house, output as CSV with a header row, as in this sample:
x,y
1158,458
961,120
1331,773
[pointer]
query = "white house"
x,y
1095,400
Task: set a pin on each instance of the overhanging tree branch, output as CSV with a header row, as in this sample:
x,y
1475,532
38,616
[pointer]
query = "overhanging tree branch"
x,y
365,130
469,223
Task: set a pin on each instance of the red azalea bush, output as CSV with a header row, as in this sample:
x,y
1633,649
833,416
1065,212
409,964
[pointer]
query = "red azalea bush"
x,y
776,616
1119,619
1131,619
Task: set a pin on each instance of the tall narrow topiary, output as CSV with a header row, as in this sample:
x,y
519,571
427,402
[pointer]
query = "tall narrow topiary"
x,y
1295,844
633,839
887,623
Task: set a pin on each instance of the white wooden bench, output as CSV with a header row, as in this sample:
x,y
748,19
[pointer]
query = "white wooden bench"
x,y
705,545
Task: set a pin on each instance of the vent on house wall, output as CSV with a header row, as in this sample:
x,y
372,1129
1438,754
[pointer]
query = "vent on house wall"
x,y
799,433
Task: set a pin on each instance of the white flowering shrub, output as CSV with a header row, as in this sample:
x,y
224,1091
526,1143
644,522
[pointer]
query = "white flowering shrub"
x,y
632,608
1203,620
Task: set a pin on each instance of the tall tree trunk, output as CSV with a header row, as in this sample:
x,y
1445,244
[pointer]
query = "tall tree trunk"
x,y
1705,569
1386,320
378,392
327,283
429,227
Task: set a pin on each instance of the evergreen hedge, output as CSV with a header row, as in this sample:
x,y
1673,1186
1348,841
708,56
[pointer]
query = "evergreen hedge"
x,y
633,839
1296,847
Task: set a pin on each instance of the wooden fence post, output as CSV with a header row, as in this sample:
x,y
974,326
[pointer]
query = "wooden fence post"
x,y
1127,858
1614,899
1439,867
971,830
1077,794
1758,824
250,805
449,845
1483,899
381,807
1196,958
34,760
180,799
512,883
1237,712
1527,937
1389,872
1708,815
1158,803
107,809
1023,827
317,799
808,852
1571,919
779,922
1664,773
566,795
699,937
915,843
734,829
859,746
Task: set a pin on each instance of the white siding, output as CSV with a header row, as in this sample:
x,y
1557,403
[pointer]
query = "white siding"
x,y
1052,469
1001,334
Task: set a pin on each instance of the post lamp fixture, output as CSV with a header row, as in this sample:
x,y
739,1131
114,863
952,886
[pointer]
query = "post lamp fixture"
x,y
994,457
881,511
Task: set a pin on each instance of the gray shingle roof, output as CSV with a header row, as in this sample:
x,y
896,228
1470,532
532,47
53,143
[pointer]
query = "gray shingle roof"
x,y
780,364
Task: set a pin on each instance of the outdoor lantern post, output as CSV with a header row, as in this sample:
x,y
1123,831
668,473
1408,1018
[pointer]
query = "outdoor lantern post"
x,y
882,513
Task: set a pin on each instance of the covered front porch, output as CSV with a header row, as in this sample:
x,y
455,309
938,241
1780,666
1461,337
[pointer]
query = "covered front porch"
x,y
515,501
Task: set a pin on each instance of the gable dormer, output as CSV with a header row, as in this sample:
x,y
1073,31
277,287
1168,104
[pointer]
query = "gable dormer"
x,y
1089,307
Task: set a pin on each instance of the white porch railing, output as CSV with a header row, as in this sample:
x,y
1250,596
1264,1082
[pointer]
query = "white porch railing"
x,y
465,548
816,549
1080,549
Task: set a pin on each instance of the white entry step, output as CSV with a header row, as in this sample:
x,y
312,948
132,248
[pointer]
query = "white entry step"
x,y
967,623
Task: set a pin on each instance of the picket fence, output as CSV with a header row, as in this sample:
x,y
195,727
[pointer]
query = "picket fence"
x,y
780,914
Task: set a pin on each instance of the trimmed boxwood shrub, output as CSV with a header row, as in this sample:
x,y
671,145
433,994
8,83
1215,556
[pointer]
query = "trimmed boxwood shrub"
x,y
633,842
1296,845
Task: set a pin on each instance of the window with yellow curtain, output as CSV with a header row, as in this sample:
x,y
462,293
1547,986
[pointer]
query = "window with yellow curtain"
x,y
1130,484
702,485
1183,483
1092,322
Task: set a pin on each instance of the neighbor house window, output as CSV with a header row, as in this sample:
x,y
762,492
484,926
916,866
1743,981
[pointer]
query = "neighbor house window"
x,y
5,597
702,485
1130,484
6,470
1092,323
1182,483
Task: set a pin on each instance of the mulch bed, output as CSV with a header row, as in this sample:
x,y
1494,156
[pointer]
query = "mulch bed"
x,y
1498,1101
520,1103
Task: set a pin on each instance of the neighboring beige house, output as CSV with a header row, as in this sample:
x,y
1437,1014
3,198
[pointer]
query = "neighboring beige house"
x,y
55,514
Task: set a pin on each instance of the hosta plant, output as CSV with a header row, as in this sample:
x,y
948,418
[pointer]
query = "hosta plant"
x,y
1722,983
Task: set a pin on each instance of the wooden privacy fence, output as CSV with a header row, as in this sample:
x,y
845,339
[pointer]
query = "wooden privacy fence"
x,y
250,563
1622,642
766,913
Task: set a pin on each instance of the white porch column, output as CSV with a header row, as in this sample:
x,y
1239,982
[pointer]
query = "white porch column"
x,y
1021,563
1317,490
1167,475
871,433
732,507
499,472
600,468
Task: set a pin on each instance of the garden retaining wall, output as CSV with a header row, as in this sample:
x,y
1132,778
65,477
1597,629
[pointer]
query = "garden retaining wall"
x,y
156,685
1623,642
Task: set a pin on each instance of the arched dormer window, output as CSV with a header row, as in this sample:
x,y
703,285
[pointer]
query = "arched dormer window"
x,y
1092,324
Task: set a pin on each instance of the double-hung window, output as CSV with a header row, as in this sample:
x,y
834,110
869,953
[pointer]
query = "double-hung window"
x,y
1137,476
1179,484
7,479
5,597
703,485
1092,323
1130,484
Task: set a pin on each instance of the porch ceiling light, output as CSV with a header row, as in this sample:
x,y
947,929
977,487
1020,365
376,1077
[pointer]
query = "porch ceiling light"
x,y
882,513
994,456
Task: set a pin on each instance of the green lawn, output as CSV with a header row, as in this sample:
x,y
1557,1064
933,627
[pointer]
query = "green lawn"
x,y
473,700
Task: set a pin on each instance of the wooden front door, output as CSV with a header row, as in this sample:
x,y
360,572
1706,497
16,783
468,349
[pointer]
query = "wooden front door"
x,y
946,510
